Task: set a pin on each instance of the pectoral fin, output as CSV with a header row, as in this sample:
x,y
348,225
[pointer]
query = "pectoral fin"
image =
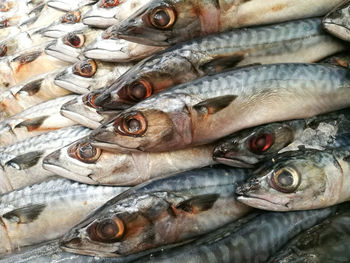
x,y
198,204
32,124
25,161
25,215
32,87
220,63
214,105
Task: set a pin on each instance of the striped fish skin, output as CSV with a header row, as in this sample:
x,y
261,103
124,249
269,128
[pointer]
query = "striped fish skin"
x,y
337,21
80,161
29,93
299,180
154,214
215,106
248,147
294,41
103,15
183,19
326,242
254,242
102,74
35,120
42,211
21,163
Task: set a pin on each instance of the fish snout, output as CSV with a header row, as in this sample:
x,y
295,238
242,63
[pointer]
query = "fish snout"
x,y
52,158
252,184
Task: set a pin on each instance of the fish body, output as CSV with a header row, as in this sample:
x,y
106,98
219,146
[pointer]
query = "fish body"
x,y
88,75
294,41
215,106
299,180
166,22
325,242
160,212
253,241
43,211
37,89
35,120
103,15
83,162
337,21
248,147
22,162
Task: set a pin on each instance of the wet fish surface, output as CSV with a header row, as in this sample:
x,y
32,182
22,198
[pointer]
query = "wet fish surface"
x,y
43,211
337,21
160,212
215,106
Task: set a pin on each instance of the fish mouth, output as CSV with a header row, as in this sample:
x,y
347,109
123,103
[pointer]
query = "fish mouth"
x,y
232,162
113,147
63,82
108,50
62,53
65,246
99,21
79,118
261,203
337,30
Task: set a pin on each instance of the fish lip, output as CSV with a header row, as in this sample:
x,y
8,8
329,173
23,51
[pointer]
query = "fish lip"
x,y
67,174
143,40
95,20
54,52
83,120
252,200
114,147
87,252
233,162
106,55
64,83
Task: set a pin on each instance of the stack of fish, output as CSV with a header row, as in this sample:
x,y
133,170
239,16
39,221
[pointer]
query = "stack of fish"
x,y
174,131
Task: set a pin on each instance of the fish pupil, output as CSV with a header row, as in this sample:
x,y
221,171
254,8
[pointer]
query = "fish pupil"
x,y
134,125
86,68
108,228
139,91
74,40
261,143
161,18
110,3
285,179
87,151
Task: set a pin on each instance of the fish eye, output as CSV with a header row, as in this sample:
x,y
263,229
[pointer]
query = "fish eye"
x,y
85,68
107,231
4,23
84,152
261,143
89,100
139,90
74,40
134,124
3,50
71,17
286,180
163,17
109,3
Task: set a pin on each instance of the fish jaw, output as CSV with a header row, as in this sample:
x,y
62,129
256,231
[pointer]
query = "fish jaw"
x,y
63,52
60,30
339,31
337,23
74,83
101,17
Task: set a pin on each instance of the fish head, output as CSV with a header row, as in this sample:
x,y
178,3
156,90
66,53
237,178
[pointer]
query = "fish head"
x,y
248,147
162,23
145,79
83,162
337,22
122,226
155,124
297,180
79,77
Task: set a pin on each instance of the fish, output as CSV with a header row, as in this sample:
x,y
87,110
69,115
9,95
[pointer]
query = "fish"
x,y
214,106
37,89
299,180
252,241
26,64
70,46
294,41
167,22
160,212
34,121
88,75
337,21
248,147
50,252
80,161
83,111
108,13
67,5
325,242
109,48
42,212
22,162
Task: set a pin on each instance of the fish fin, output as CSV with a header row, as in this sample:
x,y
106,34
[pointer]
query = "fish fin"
x,y
32,87
25,161
214,105
27,57
26,214
198,204
32,124
220,63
